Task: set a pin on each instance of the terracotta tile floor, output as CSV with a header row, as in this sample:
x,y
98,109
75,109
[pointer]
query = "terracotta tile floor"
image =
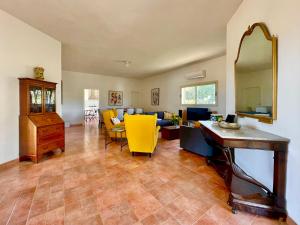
x,y
88,185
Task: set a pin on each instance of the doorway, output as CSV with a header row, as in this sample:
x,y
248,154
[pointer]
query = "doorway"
x,y
91,106
135,99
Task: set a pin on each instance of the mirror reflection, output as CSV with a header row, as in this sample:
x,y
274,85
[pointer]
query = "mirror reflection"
x,y
254,74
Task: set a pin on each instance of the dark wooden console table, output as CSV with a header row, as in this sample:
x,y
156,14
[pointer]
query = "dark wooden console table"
x,y
247,194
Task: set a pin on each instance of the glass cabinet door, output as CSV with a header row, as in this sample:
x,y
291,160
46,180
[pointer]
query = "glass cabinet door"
x,y
36,97
50,103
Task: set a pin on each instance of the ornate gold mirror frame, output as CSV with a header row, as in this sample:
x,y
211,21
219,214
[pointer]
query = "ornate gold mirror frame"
x,y
273,39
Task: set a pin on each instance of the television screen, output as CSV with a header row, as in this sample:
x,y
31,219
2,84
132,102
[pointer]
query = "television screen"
x,y
198,114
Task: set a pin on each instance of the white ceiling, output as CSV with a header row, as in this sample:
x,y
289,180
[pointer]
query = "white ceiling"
x,y
156,35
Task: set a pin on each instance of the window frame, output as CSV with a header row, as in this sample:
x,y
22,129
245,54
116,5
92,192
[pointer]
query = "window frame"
x,y
199,84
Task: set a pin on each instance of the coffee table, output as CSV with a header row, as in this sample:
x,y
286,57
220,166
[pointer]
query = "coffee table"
x,y
116,130
170,132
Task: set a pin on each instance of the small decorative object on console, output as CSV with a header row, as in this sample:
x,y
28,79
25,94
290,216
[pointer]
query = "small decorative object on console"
x,y
231,118
39,73
216,117
226,125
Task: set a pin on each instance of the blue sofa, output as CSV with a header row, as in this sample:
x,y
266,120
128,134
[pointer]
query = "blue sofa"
x,y
161,121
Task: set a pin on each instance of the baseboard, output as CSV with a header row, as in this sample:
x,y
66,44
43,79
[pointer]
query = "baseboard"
x,y
290,221
76,125
9,164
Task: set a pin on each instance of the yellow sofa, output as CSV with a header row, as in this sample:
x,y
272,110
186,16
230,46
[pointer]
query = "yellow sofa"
x,y
142,133
107,115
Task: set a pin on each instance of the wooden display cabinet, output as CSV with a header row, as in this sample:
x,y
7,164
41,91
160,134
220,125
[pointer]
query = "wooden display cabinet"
x,y
41,128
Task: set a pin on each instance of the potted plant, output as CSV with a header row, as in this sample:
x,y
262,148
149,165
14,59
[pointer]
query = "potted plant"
x,y
176,120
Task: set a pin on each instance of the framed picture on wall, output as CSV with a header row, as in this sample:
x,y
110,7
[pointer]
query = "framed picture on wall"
x,y
115,98
155,96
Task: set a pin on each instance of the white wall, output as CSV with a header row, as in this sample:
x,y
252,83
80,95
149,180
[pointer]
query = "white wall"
x,y
74,84
21,48
283,20
170,84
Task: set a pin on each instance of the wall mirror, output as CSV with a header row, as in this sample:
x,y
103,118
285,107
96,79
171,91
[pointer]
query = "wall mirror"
x,y
256,75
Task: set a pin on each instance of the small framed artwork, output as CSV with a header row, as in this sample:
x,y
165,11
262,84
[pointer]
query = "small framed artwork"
x,y
115,98
155,96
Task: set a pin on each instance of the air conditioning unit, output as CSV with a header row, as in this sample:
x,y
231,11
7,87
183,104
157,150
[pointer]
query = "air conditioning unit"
x,y
199,75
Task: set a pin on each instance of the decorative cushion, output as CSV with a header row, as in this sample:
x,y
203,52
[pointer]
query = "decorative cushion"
x,y
120,114
168,116
115,120
160,115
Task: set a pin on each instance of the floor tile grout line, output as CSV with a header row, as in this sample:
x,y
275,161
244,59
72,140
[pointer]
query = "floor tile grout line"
x,y
13,209
202,215
31,205
184,166
64,189
188,168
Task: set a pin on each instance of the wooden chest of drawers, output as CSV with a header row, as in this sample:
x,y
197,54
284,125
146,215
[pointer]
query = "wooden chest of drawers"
x,y
50,137
39,135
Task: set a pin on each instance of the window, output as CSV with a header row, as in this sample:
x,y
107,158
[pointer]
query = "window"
x,y
200,94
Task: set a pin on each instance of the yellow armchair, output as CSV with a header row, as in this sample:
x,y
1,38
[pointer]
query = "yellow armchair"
x,y
107,115
142,133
